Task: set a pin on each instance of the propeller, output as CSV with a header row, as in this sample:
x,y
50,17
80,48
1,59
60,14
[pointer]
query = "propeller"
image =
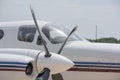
x,y
44,75
57,77
36,24
73,30
56,62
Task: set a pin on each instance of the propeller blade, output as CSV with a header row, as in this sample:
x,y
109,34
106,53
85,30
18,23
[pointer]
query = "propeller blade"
x,y
73,30
57,77
44,75
36,24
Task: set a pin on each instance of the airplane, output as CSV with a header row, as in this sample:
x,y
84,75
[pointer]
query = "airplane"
x,y
91,60
30,64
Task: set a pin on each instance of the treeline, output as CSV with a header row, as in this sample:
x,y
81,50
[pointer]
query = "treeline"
x,y
106,40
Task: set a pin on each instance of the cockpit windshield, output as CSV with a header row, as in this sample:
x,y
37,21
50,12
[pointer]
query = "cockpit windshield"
x,y
57,34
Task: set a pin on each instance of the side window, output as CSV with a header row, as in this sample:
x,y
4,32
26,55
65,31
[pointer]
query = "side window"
x,y
26,33
1,34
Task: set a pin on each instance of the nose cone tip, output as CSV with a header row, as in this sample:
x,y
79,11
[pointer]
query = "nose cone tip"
x,y
69,64
72,63
65,64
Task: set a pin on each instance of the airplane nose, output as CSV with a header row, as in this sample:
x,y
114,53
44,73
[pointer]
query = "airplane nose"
x,y
56,63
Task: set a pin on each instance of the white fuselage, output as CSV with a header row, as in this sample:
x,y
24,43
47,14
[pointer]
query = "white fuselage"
x,y
92,60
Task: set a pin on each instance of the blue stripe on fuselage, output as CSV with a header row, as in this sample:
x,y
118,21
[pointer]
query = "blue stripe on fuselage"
x,y
96,63
19,63
13,65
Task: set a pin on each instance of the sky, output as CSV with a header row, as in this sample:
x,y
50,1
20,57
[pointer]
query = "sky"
x,y
84,13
